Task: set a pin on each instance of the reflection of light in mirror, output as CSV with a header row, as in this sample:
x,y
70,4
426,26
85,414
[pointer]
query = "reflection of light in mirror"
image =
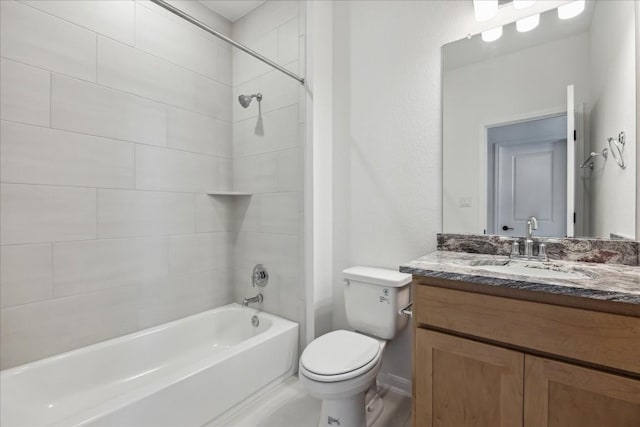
x,y
492,34
527,24
571,10
523,4
485,9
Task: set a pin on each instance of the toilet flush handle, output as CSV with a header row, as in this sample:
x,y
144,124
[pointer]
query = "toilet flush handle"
x,y
407,309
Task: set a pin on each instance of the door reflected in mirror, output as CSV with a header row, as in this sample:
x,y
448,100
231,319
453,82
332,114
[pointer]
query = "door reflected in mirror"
x,y
523,113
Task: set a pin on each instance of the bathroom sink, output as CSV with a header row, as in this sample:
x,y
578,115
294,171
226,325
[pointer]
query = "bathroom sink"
x,y
542,271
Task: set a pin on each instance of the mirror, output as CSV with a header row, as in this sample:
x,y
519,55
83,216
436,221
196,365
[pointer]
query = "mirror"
x,y
523,113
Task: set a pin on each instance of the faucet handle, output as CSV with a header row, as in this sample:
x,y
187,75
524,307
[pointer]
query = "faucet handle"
x,y
542,250
515,248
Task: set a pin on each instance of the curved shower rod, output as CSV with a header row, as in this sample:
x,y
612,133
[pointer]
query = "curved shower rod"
x,y
229,40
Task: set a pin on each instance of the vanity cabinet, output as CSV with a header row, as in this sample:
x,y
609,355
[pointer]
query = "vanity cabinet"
x,y
486,360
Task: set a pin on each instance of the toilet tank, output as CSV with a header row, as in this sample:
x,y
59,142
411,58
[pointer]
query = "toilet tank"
x,y
373,297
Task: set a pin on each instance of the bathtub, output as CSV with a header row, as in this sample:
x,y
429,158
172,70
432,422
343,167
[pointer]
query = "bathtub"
x,y
183,373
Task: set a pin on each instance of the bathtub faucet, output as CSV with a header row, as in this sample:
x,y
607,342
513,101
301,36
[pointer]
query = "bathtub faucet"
x,y
258,298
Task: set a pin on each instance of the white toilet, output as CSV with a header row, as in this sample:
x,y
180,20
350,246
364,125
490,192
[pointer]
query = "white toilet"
x,y
339,367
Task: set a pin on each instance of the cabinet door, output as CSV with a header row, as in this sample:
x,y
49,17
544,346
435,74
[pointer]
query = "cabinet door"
x,y
563,395
460,382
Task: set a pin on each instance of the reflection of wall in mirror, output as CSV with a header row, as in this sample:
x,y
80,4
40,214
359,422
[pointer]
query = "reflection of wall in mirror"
x,y
523,84
613,106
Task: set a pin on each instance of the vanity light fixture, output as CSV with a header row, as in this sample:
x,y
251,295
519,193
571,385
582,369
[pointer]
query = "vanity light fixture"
x,y
492,34
527,24
485,9
523,4
571,10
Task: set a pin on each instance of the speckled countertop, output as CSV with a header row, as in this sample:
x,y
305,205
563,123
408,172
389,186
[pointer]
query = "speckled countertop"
x,y
608,282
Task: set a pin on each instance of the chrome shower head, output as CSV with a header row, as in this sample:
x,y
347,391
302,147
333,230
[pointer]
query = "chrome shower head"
x,y
245,100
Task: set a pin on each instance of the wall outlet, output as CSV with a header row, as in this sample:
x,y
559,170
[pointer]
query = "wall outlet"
x,y
465,202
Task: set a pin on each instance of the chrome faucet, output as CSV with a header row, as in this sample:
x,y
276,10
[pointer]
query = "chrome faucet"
x,y
258,298
532,224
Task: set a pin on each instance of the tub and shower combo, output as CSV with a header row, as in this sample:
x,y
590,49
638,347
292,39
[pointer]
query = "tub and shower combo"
x,y
184,373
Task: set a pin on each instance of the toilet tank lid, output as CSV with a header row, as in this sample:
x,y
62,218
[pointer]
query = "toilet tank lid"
x,y
378,276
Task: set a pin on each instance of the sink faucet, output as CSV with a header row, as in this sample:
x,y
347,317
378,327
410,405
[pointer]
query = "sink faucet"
x,y
258,298
532,224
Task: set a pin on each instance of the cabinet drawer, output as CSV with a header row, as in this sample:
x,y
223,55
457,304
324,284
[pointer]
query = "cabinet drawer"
x,y
604,339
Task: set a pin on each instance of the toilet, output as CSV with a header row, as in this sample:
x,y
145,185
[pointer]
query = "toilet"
x,y
341,366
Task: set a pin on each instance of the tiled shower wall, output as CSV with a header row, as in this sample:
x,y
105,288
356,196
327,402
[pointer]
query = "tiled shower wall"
x,y
268,154
116,121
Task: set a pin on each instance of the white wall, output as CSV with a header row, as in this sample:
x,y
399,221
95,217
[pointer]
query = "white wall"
x,y
516,86
613,110
116,120
387,135
268,149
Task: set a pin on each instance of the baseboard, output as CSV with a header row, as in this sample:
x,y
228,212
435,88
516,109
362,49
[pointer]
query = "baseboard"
x,y
395,383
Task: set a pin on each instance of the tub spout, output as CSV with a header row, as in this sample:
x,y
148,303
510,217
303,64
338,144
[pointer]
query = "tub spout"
x,y
258,298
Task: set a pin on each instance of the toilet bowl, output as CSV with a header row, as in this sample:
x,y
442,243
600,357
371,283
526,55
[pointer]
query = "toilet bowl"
x,y
340,366
341,376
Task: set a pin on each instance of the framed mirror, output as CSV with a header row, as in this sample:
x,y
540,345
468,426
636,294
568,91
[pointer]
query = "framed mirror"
x,y
542,123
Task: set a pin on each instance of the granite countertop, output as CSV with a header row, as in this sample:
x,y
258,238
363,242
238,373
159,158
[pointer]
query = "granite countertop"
x,y
607,282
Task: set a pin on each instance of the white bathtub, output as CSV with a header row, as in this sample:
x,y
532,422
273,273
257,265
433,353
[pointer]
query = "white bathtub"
x,y
183,373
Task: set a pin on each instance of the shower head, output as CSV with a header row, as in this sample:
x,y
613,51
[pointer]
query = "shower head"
x,y
245,100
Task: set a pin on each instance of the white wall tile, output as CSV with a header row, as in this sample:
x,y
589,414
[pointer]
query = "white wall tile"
x,y
128,69
37,38
81,267
225,66
25,274
278,252
214,213
247,214
212,98
204,14
199,133
24,93
177,41
256,174
197,252
225,174
279,213
278,90
34,213
178,296
290,176
88,108
288,39
173,170
278,130
246,67
114,19
37,155
32,331
263,19
124,213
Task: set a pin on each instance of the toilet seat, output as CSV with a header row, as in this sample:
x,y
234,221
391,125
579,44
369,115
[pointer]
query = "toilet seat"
x,y
339,356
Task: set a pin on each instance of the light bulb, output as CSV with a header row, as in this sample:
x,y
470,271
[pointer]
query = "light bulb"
x,y
492,34
523,4
527,24
571,10
485,9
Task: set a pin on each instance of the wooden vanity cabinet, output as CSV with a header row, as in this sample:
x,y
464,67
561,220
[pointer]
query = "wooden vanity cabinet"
x,y
479,360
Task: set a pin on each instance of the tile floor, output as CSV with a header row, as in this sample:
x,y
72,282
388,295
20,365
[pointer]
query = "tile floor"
x,y
288,405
